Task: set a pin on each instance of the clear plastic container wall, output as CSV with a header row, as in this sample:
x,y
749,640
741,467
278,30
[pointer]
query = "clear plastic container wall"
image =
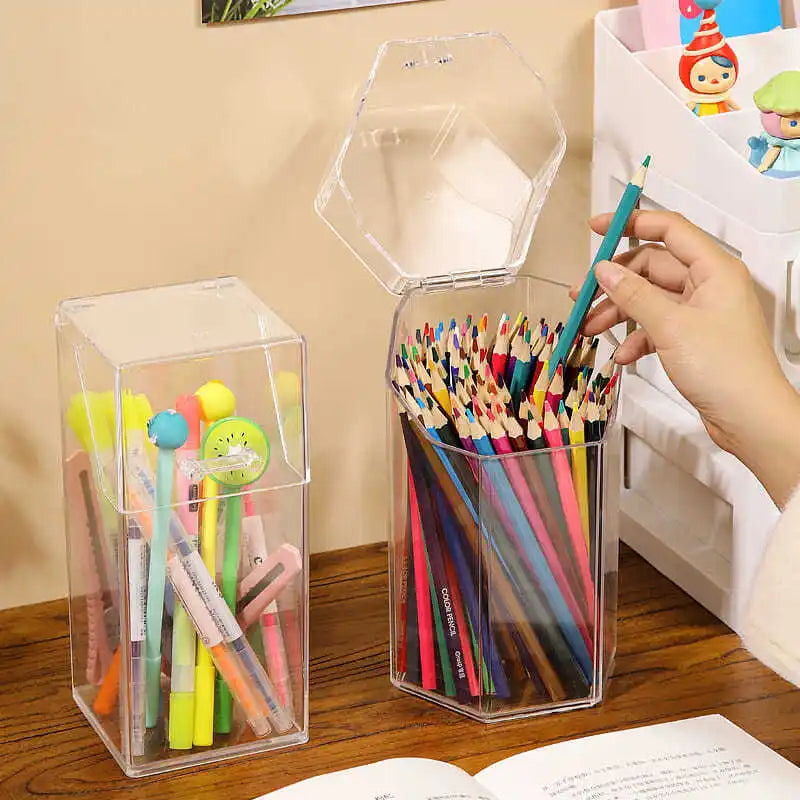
x,y
503,567
186,477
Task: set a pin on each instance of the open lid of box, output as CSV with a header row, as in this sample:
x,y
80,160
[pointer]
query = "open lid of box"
x,y
449,157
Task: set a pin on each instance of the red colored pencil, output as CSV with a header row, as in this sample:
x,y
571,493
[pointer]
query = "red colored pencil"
x,y
500,352
556,389
424,612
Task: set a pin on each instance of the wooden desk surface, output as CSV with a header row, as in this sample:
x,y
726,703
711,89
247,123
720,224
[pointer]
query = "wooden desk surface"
x,y
675,660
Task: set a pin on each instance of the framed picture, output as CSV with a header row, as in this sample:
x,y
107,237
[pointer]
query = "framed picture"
x,y
216,11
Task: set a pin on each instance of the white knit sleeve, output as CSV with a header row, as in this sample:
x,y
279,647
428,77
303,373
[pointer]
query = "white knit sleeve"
x,y
772,619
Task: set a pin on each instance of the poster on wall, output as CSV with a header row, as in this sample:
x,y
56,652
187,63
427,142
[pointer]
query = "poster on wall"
x,y
216,11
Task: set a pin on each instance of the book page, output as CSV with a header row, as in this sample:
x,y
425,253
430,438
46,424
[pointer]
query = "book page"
x,y
707,758
396,779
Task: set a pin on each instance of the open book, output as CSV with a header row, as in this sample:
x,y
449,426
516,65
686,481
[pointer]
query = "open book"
x,y
707,758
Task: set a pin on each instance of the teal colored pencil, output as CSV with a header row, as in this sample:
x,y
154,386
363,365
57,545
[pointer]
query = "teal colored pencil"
x,y
607,250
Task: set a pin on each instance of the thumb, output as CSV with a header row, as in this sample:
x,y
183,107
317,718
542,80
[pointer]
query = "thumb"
x,y
634,295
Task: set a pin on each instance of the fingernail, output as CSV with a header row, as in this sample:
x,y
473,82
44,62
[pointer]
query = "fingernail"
x,y
608,274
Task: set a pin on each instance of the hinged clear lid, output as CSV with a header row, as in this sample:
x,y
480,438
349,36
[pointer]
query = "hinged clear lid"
x,y
444,170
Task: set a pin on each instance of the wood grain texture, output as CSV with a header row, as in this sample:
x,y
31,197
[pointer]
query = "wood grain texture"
x,y
674,660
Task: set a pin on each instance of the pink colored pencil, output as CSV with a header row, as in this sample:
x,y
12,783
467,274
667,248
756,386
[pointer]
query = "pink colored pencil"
x,y
502,446
569,502
424,613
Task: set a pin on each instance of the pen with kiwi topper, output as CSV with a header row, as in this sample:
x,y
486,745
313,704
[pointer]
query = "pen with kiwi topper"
x,y
232,437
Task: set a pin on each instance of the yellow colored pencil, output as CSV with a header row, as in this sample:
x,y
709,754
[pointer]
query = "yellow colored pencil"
x,y
579,468
540,389
441,393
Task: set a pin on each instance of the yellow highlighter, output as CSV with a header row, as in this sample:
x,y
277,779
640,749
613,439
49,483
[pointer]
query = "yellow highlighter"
x,y
216,402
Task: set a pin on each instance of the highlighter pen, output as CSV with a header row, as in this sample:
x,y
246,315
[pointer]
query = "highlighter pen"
x,y
263,585
137,594
86,416
83,502
181,697
215,624
275,651
254,554
608,248
216,401
193,586
98,430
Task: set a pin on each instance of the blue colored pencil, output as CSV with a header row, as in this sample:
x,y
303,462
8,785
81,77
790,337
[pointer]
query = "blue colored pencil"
x,y
627,205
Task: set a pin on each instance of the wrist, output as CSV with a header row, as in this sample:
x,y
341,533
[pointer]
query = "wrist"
x,y
767,442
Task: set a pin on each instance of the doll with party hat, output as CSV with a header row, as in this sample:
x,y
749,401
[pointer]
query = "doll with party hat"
x,y
708,67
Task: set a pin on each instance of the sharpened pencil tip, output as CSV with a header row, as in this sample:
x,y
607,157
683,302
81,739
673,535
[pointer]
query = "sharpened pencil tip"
x,y
646,162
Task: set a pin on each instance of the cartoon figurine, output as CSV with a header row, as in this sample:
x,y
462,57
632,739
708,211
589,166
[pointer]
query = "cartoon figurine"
x,y
777,151
708,67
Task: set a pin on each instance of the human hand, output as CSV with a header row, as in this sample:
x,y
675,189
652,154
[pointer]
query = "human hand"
x,y
698,310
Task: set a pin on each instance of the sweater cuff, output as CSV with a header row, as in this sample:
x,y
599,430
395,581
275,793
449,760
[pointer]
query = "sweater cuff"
x,y
771,630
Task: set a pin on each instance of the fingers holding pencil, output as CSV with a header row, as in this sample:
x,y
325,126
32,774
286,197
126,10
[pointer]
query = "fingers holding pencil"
x,y
654,262
684,240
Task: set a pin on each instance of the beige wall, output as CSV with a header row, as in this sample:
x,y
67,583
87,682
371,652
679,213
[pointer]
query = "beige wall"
x,y
137,147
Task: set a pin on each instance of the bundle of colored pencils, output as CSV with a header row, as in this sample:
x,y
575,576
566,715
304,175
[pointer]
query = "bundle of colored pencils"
x,y
499,557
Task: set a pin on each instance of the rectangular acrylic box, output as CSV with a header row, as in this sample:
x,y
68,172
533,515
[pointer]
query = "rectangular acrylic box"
x,y
436,188
520,598
155,700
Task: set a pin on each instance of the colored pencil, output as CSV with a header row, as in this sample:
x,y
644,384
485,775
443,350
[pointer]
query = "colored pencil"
x,y
579,474
497,591
608,248
569,502
423,601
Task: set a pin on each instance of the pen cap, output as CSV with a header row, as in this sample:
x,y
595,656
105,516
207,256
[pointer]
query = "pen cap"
x,y
181,720
216,401
87,418
188,405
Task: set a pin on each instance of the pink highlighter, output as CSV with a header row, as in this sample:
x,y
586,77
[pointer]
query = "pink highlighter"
x,y
288,562
83,500
189,407
266,582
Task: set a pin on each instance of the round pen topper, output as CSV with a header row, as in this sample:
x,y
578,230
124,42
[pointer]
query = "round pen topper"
x,y
233,436
708,67
777,151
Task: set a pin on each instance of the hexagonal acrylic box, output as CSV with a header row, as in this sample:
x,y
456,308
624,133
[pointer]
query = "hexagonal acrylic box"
x,y
186,475
437,188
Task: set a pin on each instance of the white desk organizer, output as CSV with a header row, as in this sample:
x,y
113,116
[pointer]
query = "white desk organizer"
x,y
693,511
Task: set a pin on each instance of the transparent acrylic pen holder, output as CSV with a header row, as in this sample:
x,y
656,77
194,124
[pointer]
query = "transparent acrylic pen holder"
x,y
437,187
186,478
503,567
